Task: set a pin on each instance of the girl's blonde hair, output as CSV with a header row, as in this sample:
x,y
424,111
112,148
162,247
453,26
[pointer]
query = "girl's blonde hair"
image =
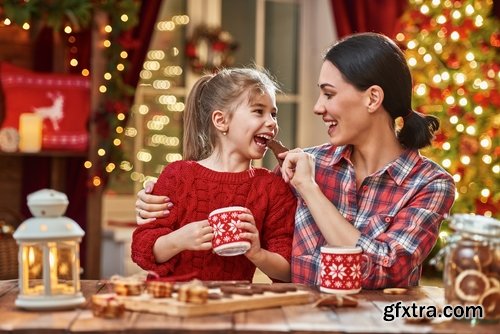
x,y
218,92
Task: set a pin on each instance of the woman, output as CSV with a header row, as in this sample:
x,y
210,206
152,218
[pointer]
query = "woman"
x,y
369,187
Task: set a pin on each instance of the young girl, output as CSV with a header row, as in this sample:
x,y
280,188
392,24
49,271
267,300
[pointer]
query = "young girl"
x,y
229,118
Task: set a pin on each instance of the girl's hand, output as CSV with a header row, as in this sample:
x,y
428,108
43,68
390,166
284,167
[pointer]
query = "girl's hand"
x,y
149,207
195,236
247,224
298,168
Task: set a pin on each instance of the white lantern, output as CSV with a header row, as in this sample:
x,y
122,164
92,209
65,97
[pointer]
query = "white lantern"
x,y
49,254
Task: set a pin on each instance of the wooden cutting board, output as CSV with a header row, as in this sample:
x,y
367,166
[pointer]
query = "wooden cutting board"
x,y
234,303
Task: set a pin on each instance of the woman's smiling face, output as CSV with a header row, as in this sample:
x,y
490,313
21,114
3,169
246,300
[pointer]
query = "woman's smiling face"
x,y
342,107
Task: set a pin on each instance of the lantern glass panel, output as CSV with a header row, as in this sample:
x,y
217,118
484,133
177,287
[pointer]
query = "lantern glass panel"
x,y
61,263
32,260
67,266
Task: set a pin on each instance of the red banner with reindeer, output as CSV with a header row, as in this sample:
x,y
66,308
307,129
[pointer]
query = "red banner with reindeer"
x,y
61,100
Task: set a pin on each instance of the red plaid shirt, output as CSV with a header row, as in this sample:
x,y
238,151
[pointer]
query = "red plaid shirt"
x,y
398,211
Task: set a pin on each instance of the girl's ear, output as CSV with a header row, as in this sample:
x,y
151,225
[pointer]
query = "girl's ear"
x,y
375,97
219,120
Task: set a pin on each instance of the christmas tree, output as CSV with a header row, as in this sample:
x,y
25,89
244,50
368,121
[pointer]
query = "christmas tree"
x,y
452,49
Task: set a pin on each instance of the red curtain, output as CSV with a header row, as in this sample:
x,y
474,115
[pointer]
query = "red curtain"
x,y
378,16
353,16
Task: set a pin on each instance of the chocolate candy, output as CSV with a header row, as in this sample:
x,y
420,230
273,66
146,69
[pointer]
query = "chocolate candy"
x,y
277,147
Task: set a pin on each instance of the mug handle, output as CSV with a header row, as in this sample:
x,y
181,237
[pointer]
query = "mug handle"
x,y
368,265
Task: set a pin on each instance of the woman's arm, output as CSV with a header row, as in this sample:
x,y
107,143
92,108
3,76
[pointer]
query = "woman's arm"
x,y
299,170
149,207
396,244
408,237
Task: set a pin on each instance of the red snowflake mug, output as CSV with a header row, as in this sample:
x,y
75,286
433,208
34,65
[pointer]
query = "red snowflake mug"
x,y
226,240
341,269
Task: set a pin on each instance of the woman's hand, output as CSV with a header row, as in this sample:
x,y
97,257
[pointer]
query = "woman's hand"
x,y
298,168
149,207
251,233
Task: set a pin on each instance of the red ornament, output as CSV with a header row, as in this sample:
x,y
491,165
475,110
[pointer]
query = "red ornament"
x,y
454,110
440,138
469,119
468,145
190,50
490,205
219,46
128,42
484,47
453,61
478,98
496,152
495,98
435,93
495,39
468,25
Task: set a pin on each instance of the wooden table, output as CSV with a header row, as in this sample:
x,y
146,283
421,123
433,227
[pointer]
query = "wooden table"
x,y
367,317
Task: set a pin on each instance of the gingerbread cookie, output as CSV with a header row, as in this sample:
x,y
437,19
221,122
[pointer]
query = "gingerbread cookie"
x,y
127,286
395,291
107,306
193,293
159,289
336,301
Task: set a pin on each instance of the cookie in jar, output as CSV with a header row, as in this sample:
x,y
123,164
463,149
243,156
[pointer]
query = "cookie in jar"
x,y
472,264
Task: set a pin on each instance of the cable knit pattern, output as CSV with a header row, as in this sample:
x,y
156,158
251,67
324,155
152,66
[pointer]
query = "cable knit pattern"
x,y
195,191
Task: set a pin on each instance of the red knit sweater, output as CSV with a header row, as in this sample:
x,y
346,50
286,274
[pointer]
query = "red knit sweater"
x,y
195,191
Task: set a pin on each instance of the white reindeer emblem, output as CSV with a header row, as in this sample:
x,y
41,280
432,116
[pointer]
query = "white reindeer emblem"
x,y
53,112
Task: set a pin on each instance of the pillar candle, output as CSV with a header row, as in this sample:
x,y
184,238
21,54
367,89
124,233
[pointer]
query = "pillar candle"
x,y
30,132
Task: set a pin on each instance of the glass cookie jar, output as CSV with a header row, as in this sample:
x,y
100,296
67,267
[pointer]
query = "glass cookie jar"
x,y
472,264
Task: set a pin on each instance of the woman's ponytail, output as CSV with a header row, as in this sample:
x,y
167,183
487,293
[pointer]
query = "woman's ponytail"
x,y
418,130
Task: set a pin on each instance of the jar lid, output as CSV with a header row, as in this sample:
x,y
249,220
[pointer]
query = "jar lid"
x,y
476,225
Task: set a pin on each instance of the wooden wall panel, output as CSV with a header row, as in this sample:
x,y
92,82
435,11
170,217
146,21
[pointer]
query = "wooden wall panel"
x,y
15,46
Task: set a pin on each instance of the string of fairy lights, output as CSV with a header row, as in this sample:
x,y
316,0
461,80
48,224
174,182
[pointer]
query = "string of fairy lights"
x,y
107,43
452,50
160,75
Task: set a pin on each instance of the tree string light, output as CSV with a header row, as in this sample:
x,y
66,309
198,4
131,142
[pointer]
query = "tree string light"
x,y
454,65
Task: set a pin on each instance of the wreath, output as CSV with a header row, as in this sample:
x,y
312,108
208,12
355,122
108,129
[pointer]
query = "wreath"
x,y
209,49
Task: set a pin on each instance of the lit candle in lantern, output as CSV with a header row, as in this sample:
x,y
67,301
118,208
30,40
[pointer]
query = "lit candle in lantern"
x,y
30,132
47,242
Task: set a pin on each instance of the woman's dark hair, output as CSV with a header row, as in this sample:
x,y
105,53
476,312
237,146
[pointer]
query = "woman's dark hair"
x,y
368,59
